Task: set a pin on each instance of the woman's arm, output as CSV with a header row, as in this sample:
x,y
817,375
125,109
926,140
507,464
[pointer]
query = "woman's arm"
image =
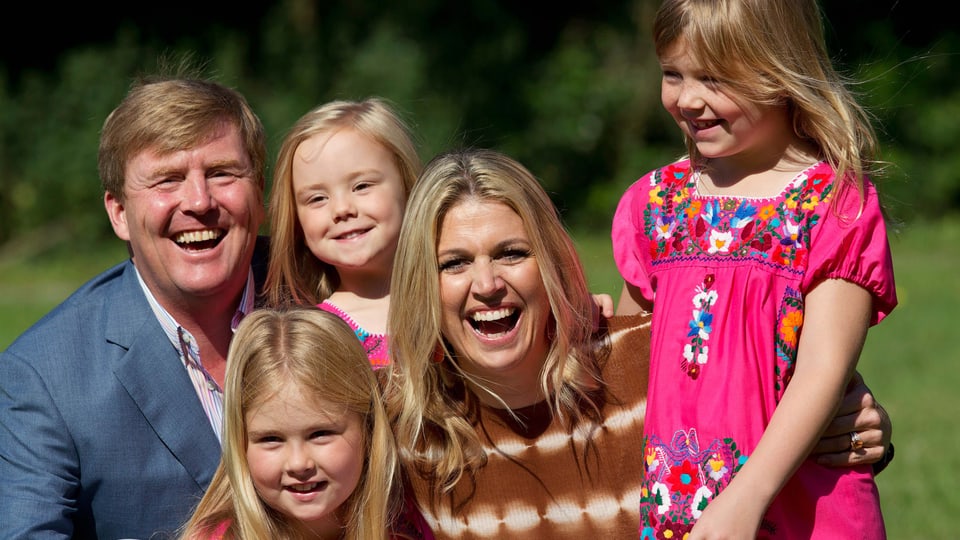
x,y
836,319
632,301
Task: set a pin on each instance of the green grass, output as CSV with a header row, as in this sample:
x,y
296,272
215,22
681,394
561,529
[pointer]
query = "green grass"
x,y
909,360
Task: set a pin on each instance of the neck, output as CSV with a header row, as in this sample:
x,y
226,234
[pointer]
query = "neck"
x,y
364,284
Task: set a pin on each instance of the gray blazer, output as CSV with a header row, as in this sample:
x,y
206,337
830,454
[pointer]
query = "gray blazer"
x,y
101,432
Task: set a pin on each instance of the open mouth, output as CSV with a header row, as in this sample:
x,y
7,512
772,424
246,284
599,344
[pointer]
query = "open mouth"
x,y
704,124
199,240
308,488
353,234
495,323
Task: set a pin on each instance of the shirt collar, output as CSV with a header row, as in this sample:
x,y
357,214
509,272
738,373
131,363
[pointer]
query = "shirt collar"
x,y
172,328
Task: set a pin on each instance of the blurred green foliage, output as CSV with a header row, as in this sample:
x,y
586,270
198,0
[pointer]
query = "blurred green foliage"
x,y
573,93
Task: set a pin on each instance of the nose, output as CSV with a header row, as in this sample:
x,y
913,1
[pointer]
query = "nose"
x,y
487,281
689,96
299,460
197,196
343,208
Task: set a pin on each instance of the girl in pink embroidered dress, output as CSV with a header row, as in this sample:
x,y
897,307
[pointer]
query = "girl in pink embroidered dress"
x,y
340,188
770,227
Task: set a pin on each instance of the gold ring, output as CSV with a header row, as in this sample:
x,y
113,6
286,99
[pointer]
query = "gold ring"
x,y
856,443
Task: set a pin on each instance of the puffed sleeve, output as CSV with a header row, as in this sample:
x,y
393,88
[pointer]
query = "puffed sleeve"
x,y
631,245
850,243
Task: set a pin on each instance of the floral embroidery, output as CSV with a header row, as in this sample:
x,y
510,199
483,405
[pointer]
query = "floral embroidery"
x,y
788,335
681,478
684,226
695,353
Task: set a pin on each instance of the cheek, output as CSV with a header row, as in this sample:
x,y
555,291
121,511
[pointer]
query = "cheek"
x,y
453,291
261,467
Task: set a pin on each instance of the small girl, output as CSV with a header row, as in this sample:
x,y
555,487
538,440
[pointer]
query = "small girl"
x,y
341,182
307,449
770,226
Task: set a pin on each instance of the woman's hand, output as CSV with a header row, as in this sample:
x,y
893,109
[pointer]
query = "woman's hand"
x,y
859,412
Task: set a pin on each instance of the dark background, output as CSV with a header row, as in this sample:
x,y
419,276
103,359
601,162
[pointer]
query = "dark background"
x,y
570,89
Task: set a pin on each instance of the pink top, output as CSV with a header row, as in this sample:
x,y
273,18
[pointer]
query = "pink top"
x,y
729,275
374,344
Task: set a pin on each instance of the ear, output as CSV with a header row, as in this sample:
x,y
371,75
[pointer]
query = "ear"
x,y
117,214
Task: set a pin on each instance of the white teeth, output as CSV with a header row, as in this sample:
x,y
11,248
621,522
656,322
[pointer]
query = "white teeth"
x,y
495,315
197,236
304,487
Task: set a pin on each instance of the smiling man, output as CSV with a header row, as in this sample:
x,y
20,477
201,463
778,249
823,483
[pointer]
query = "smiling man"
x,y
110,406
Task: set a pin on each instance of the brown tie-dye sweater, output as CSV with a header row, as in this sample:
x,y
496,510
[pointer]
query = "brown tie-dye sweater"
x,y
540,482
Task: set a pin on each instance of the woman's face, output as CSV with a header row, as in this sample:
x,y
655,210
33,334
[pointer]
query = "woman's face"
x,y
495,308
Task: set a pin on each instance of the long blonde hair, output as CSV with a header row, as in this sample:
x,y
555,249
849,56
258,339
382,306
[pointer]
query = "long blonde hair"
x,y
430,403
770,52
294,273
318,352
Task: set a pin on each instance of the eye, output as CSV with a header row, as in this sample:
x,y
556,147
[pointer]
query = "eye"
x,y
322,433
452,265
363,185
266,439
515,254
671,76
711,82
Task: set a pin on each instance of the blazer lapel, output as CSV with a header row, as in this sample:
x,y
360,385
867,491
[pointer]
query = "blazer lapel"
x,y
154,376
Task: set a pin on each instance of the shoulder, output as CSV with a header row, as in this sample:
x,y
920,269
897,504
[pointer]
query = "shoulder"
x,y
625,339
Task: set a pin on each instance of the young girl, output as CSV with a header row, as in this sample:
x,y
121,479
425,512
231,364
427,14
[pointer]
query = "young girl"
x,y
340,188
307,449
771,225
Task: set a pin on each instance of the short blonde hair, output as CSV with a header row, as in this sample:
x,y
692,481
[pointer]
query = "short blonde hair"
x,y
171,114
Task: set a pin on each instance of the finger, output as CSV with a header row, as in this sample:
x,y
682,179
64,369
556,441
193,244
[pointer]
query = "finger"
x,y
872,438
864,456
857,397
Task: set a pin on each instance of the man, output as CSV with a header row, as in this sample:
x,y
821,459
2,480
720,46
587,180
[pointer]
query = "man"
x,y
110,406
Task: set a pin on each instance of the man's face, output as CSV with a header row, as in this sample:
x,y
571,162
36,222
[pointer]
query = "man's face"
x,y
191,218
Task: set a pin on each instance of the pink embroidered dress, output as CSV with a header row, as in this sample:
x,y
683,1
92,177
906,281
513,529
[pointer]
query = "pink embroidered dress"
x,y
729,275
374,344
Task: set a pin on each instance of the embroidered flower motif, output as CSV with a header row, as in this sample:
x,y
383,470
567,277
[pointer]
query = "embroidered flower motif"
x,y
700,500
684,479
716,467
661,494
651,460
790,326
665,227
675,531
696,353
720,241
676,495
788,333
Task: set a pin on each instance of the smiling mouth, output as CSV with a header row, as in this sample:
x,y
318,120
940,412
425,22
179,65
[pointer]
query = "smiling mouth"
x,y
307,488
704,124
199,240
353,234
496,323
